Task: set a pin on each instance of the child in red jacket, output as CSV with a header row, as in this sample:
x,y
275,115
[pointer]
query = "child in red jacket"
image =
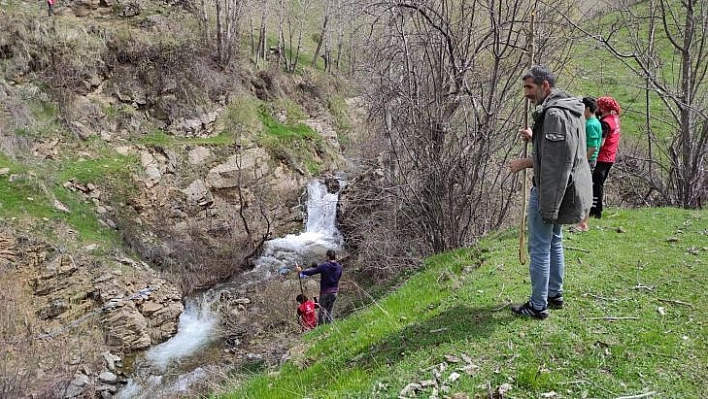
x,y
306,313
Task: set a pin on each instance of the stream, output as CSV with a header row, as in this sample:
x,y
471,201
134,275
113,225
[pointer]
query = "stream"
x,y
161,370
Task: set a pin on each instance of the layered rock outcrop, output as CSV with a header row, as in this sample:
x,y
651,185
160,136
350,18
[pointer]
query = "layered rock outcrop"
x,y
135,308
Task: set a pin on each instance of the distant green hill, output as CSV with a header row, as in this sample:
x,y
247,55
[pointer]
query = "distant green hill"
x,y
635,323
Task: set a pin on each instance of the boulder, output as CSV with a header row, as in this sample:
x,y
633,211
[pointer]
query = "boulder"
x,y
108,378
199,155
249,163
112,361
325,130
81,130
125,327
54,309
152,169
76,386
198,193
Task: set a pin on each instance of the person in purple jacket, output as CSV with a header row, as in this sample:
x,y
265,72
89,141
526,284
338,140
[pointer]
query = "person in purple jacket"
x,y
331,272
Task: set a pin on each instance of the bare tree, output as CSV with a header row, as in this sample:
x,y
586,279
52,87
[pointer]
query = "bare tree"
x,y
446,93
229,15
291,27
261,49
677,77
324,32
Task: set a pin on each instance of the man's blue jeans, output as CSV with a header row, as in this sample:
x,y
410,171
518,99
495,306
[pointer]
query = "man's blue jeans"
x,y
546,253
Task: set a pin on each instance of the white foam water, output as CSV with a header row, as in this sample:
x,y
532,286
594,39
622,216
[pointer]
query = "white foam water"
x,y
195,327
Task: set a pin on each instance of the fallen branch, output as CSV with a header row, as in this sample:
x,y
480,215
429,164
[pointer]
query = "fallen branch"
x,y
501,292
496,268
641,395
503,306
675,302
602,298
577,249
641,286
612,318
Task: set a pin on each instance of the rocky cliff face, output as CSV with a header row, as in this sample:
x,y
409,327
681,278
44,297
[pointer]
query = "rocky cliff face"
x,y
76,305
191,212
134,307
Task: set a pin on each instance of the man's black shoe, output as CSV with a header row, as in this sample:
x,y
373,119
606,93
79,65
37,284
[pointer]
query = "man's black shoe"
x,y
528,310
556,302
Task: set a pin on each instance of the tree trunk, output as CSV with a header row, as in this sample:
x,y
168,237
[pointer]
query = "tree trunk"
x,y
686,107
219,36
323,33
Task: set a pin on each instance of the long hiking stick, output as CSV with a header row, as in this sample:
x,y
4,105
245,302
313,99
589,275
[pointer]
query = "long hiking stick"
x,y
302,291
524,177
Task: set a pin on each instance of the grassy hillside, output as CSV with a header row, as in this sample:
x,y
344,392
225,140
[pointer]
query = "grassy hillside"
x,y
634,323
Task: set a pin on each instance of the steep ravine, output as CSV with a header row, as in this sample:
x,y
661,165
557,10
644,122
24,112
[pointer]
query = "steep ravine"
x,y
188,358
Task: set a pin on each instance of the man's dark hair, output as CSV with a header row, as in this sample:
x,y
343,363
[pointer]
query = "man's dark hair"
x,y
590,104
331,255
301,298
539,74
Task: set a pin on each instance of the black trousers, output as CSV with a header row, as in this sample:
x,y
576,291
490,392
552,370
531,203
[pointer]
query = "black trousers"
x,y
326,313
599,175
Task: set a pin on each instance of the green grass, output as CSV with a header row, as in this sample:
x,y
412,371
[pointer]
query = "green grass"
x,y
628,266
293,143
285,131
98,169
31,193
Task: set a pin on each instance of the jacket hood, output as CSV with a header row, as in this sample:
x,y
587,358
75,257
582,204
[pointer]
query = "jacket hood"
x,y
561,99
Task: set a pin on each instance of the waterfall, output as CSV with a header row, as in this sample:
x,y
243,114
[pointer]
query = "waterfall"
x,y
198,321
282,254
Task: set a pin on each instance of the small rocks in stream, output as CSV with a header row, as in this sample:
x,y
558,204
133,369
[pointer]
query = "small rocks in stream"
x,y
108,377
112,361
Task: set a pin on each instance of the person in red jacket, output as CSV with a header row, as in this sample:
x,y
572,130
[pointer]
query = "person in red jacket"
x,y
306,314
609,111
50,7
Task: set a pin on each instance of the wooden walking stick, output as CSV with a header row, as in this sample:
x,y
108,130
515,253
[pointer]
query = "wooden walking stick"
x,y
524,178
302,291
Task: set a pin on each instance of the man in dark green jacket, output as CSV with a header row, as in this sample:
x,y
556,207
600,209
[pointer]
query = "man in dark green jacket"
x,y
562,185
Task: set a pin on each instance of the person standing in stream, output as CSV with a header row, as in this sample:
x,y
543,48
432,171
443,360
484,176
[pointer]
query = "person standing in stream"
x,y
331,272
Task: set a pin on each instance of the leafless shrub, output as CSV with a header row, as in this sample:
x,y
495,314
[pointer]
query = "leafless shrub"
x,y
634,180
268,325
664,45
367,219
444,94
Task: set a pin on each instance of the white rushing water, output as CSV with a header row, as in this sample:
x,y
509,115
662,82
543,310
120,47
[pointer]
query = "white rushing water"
x,y
282,254
198,321
194,331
